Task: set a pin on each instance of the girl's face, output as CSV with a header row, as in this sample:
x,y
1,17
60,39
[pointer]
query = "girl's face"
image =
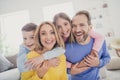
x,y
64,27
47,36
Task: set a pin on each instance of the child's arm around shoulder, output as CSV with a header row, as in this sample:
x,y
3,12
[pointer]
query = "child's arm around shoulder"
x,y
53,53
99,40
32,54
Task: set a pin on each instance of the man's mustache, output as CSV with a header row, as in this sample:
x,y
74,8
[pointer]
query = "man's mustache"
x,y
78,32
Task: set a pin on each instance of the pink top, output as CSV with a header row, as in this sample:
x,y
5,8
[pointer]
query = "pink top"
x,y
99,39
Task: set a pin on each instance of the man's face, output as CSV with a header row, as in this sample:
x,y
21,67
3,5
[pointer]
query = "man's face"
x,y
80,27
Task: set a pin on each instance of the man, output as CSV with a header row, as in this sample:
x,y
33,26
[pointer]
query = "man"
x,y
78,52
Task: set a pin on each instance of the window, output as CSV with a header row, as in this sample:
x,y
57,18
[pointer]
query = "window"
x,y
11,25
50,11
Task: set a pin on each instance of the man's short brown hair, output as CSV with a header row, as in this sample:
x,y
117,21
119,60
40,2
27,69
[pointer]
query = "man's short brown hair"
x,y
86,13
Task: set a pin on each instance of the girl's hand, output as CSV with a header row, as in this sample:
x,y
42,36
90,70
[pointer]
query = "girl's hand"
x,y
54,62
34,62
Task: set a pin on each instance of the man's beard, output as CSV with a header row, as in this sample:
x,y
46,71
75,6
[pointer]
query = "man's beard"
x,y
83,39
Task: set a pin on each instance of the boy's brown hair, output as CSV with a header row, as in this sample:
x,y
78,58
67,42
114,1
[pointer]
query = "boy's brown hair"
x,y
29,27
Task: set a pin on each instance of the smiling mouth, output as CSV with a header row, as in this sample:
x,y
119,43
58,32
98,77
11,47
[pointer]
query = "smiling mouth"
x,y
30,45
65,33
78,34
49,41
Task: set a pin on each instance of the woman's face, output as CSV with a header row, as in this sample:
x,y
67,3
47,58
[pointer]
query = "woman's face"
x,y
47,36
64,27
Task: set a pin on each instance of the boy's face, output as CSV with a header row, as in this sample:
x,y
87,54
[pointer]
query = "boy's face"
x,y
28,39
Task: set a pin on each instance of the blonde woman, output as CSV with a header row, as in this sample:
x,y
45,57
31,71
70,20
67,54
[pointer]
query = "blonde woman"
x,y
47,38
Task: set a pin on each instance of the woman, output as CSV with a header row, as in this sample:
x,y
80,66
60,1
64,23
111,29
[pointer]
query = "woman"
x,y
47,38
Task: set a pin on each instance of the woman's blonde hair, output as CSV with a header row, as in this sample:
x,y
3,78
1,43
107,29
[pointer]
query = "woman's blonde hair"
x,y
38,44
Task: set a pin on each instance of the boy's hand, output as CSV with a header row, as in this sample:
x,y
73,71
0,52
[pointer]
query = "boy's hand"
x,y
54,62
93,52
81,64
76,70
34,62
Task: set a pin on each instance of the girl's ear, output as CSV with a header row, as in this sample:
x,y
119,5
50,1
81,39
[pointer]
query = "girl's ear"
x,y
91,26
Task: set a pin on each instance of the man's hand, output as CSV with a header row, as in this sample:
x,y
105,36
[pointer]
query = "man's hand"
x,y
92,61
76,70
82,64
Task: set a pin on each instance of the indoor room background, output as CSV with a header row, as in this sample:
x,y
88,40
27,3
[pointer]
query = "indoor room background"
x,y
15,13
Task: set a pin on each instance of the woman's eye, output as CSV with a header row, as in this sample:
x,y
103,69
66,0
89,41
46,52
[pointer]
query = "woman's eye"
x,y
32,37
53,32
43,33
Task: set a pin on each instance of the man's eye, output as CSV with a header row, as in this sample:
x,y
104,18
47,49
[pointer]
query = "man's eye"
x,y
59,27
82,25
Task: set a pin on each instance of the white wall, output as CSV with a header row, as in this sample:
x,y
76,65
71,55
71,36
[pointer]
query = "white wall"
x,y
114,6
34,7
36,14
